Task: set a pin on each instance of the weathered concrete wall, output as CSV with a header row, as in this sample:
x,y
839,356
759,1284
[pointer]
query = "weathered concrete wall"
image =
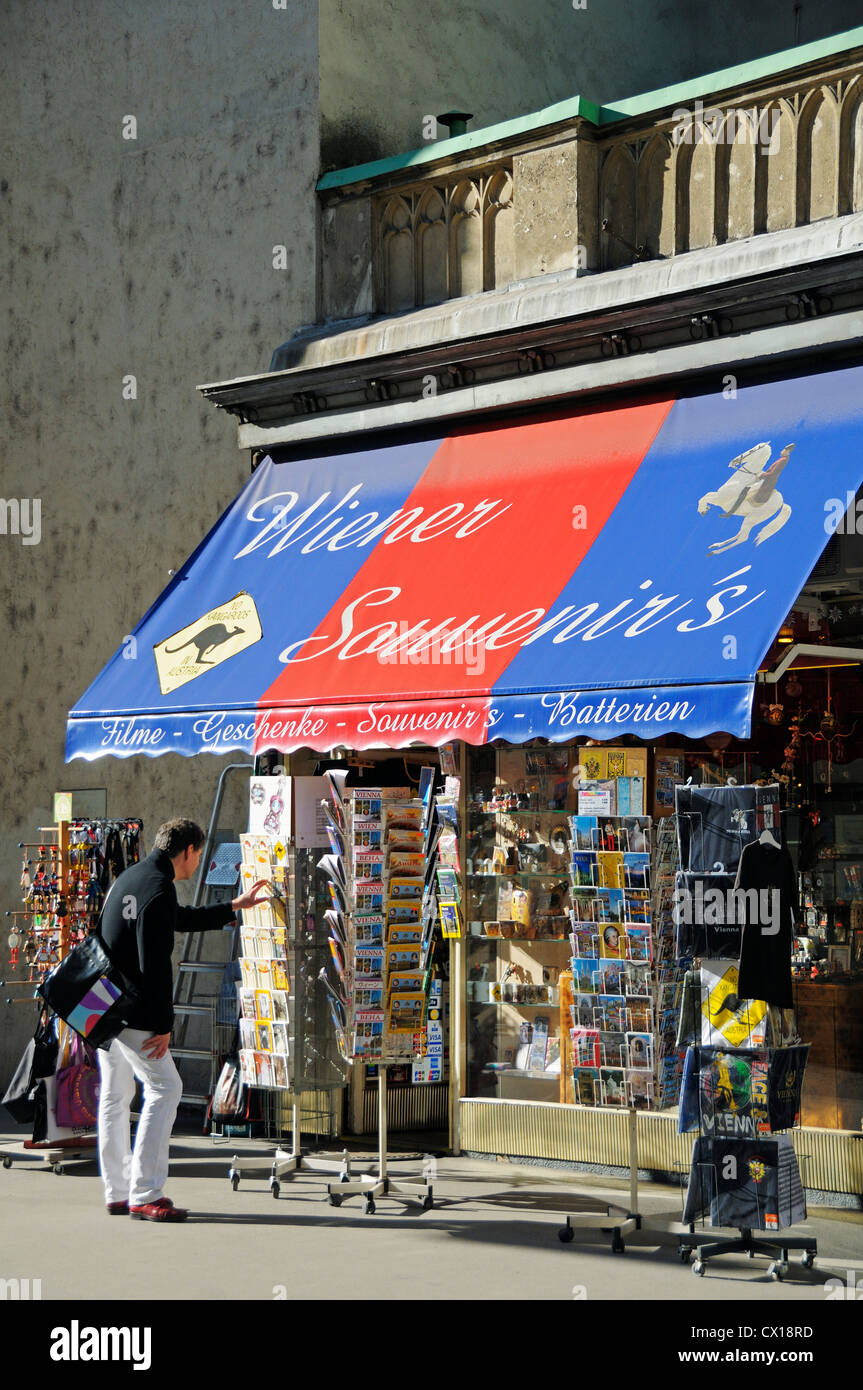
x,y
387,64
150,257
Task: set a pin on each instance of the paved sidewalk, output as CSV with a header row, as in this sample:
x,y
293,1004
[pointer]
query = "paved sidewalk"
x,y
492,1234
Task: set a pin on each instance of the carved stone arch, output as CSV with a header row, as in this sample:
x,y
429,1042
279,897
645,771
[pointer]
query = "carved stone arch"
x,y
499,239
466,239
851,147
736,169
818,156
655,202
431,247
696,181
776,200
617,203
397,243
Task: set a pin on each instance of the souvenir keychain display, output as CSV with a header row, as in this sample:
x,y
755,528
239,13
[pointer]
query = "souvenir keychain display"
x,y
63,887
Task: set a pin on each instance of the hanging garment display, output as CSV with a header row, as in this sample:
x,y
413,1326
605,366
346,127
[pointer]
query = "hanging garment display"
x,y
785,1084
771,910
707,917
732,1092
751,1184
727,1019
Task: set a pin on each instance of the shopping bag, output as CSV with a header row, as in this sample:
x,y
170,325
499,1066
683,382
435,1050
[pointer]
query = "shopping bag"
x,y
77,1083
89,993
77,1096
18,1099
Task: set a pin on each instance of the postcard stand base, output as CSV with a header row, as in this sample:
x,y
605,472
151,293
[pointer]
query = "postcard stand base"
x,y
53,1156
285,1165
750,1244
374,1185
596,1215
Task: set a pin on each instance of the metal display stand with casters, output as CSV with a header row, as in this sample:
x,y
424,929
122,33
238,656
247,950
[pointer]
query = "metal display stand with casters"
x,y
284,1165
747,1242
750,1244
374,1185
591,1214
53,1156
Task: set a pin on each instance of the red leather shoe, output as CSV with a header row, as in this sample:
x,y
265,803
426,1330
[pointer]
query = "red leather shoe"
x,y
162,1209
118,1208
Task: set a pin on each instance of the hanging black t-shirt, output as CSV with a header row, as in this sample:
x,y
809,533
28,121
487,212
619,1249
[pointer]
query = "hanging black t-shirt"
x,y
785,1084
768,936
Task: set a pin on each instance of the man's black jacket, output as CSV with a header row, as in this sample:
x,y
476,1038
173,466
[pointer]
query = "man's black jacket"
x,y
139,919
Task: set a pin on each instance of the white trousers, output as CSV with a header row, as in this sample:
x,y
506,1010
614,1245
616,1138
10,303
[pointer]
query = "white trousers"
x,y
135,1177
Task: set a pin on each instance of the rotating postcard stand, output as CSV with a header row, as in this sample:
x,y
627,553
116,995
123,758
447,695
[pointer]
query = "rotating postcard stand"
x,y
368,929
286,984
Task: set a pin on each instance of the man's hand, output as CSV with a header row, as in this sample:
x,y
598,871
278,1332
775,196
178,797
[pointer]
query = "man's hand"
x,y
258,893
156,1046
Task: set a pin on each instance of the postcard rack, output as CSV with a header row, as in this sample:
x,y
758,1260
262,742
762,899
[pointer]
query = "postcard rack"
x,y
381,922
287,1049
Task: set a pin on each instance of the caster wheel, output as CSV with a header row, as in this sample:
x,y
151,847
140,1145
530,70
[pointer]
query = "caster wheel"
x,y
370,1207
235,1181
7,1163
617,1244
808,1260
275,1189
565,1235
428,1202
334,1201
778,1272
343,1177
685,1256
57,1168
698,1267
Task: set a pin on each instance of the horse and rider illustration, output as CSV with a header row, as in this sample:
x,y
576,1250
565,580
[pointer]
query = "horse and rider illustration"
x,y
751,494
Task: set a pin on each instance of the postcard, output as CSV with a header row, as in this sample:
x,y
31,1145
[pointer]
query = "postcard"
x,y
636,870
280,1072
640,1049
264,1036
611,941
407,958
280,1037
612,1048
405,889
585,1047
611,976
369,929
406,1013
246,1001
280,978
613,1087
247,1067
581,1010
449,918
586,1086
263,1005
612,1011
280,1006
637,941
584,939
584,869
585,975
248,1035
581,829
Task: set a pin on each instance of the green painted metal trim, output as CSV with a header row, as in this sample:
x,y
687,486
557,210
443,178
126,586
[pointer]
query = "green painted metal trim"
x,y
679,93
474,139
743,74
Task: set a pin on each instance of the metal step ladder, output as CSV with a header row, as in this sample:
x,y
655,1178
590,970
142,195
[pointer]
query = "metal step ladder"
x,y
202,1034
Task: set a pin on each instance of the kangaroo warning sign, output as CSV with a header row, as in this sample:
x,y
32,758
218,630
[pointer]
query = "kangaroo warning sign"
x,y
207,642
